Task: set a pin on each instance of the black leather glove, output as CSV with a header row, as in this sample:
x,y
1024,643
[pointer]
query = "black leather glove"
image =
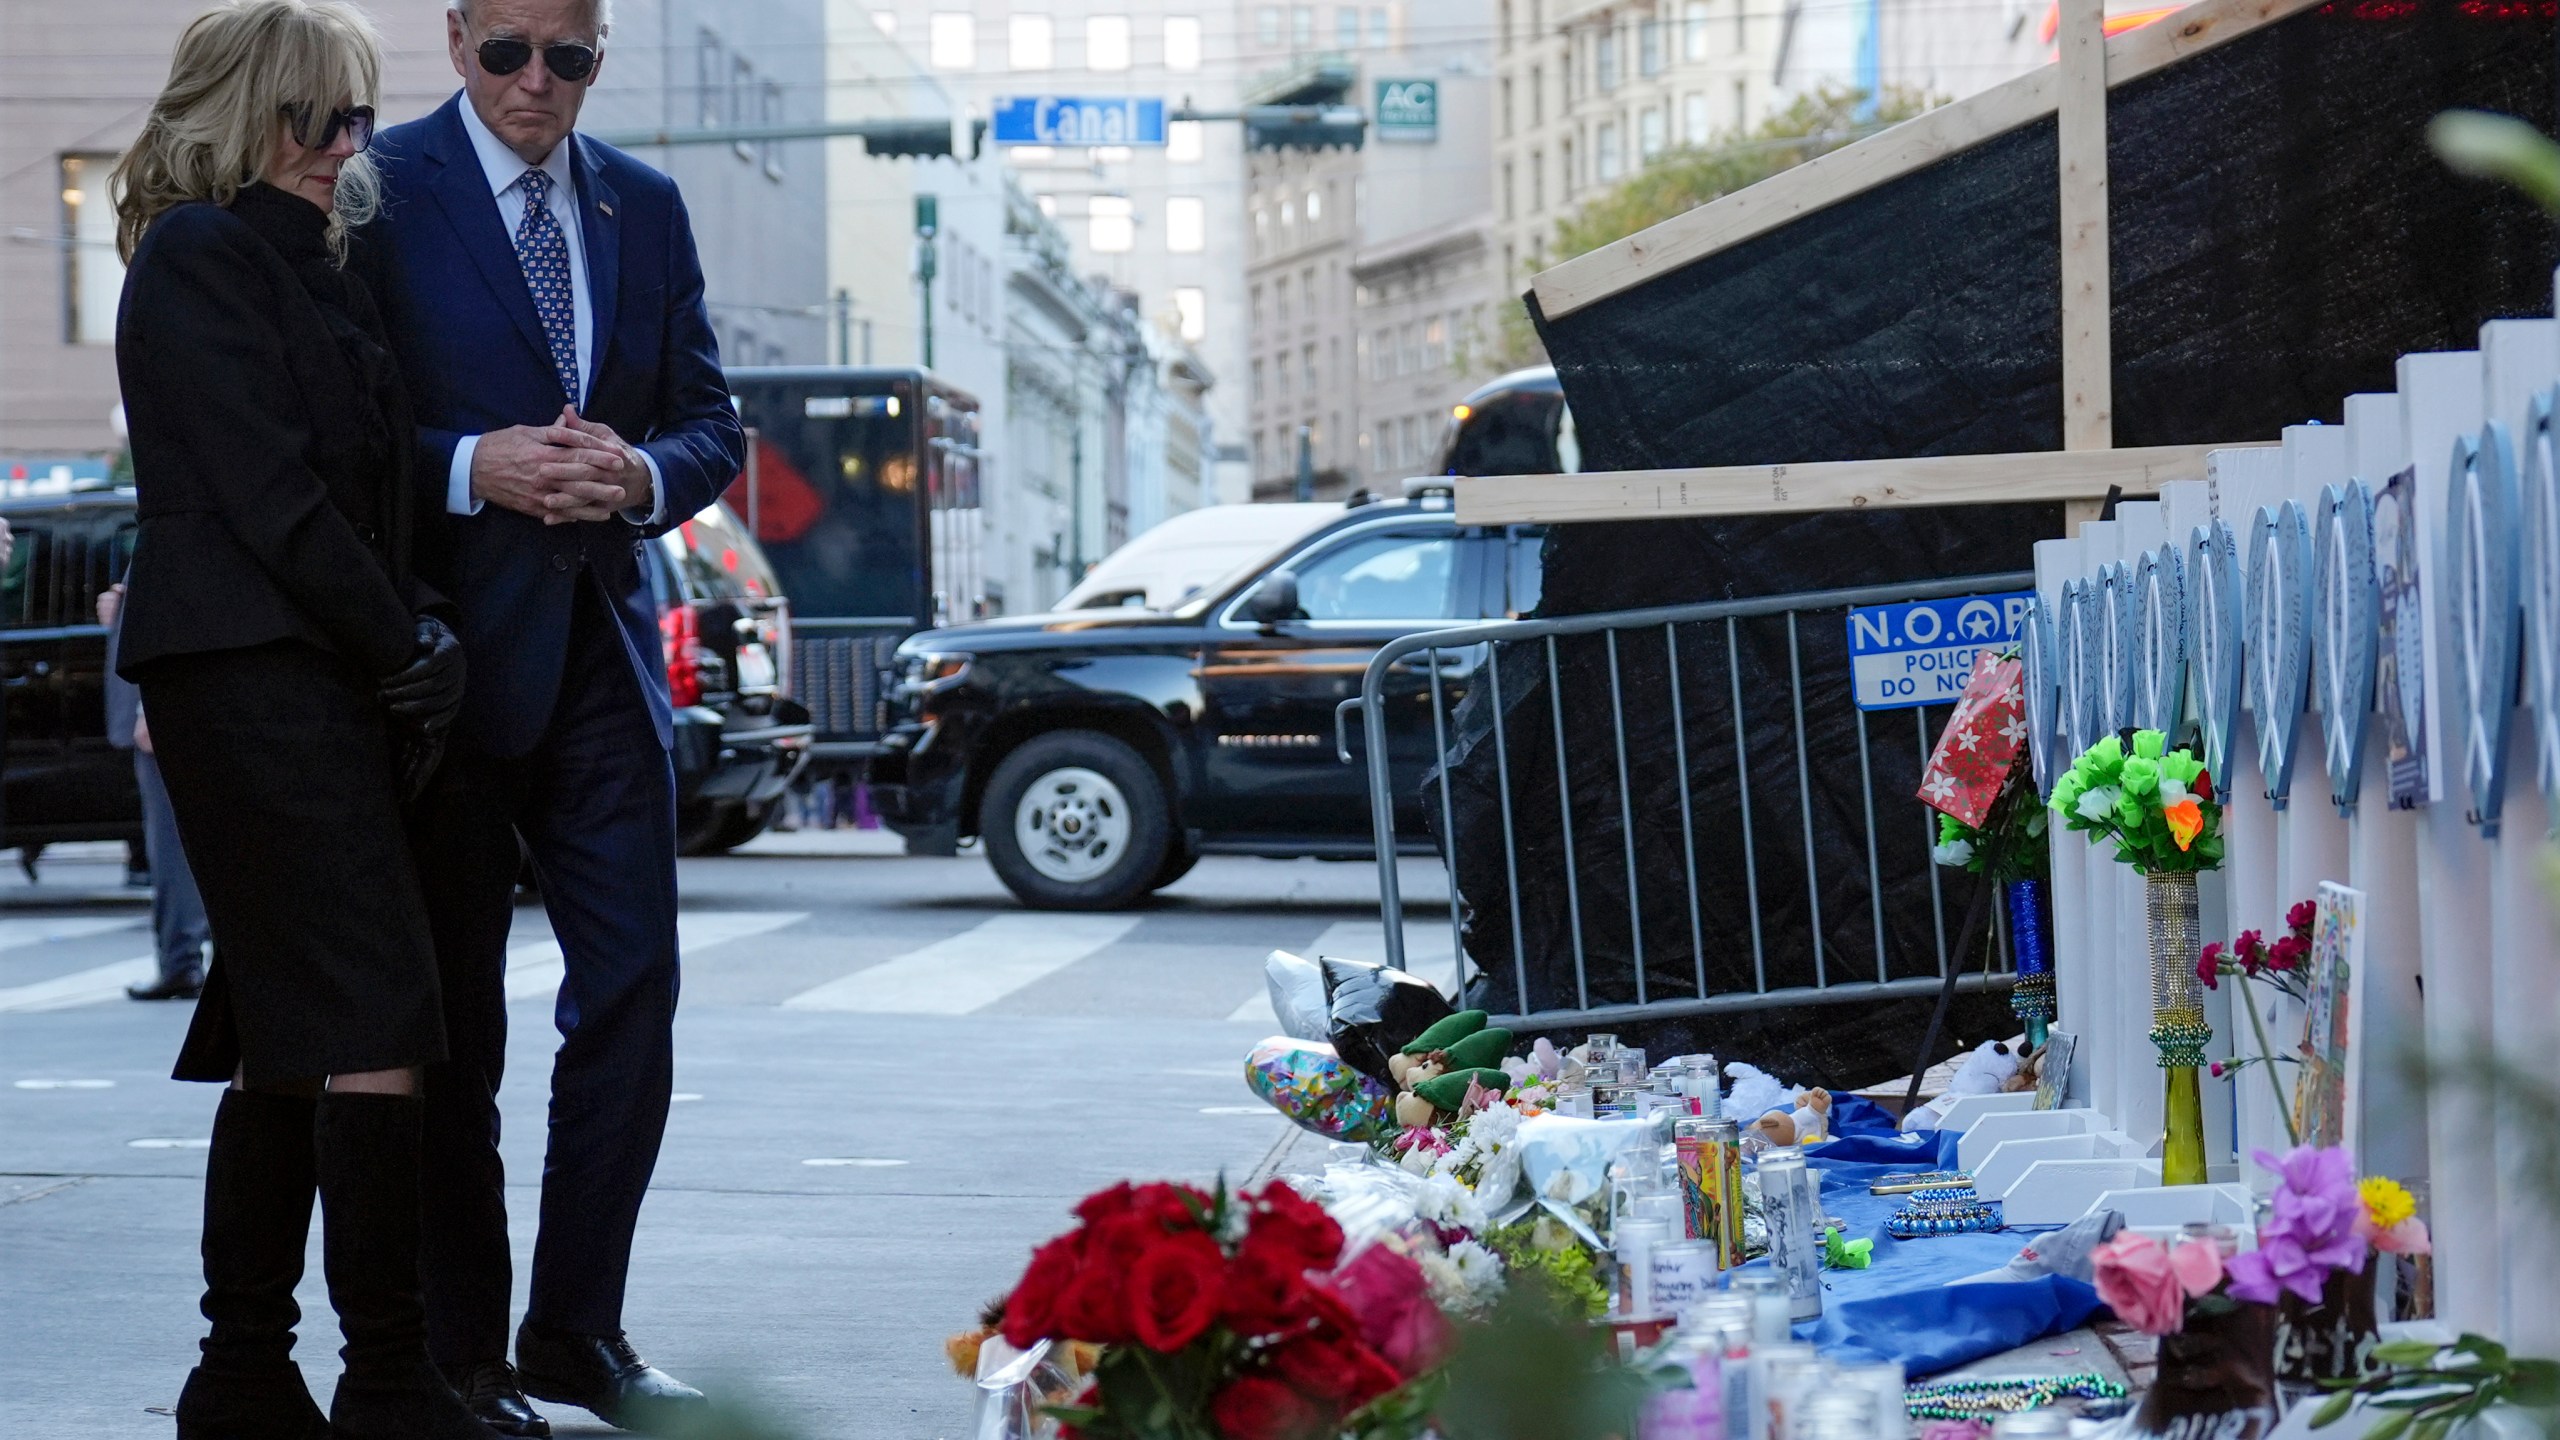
x,y
428,694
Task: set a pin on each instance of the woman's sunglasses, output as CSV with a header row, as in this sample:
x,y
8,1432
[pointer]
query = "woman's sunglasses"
x,y
356,121
500,55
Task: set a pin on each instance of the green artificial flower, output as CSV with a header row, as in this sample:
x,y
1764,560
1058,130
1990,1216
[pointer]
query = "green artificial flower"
x,y
2149,743
2129,811
2107,755
2141,775
2068,790
2182,766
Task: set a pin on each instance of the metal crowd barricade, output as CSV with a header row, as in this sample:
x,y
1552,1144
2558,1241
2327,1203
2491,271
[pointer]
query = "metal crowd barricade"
x,y
1668,620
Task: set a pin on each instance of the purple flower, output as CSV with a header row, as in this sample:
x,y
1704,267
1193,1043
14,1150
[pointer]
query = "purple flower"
x,y
2311,1230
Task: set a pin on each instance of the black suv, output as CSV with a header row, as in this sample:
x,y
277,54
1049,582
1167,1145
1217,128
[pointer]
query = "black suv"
x,y
62,781
740,738
1100,753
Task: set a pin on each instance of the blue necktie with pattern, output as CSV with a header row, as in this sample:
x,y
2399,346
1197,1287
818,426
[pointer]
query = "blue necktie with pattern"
x,y
544,253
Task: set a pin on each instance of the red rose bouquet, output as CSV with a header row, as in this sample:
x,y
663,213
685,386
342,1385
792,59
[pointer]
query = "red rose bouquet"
x,y
1224,1317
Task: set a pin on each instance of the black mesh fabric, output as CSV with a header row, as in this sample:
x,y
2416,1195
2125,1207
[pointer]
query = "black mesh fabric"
x,y
2280,234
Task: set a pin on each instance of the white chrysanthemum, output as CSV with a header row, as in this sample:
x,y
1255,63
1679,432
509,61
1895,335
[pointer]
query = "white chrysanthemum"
x,y
1494,1128
1479,1267
2098,804
1445,1200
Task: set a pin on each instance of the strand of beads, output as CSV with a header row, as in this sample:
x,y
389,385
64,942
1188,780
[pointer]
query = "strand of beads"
x,y
1973,1399
1919,1221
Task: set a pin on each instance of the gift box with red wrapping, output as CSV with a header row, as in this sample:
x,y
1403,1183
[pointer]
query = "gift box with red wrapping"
x,y
1982,741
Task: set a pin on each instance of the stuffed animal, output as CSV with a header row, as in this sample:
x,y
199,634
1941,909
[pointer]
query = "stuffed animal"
x,y
1812,1117
1778,1127
1984,1072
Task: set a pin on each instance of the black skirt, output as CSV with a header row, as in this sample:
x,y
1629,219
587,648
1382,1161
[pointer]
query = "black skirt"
x,y
279,763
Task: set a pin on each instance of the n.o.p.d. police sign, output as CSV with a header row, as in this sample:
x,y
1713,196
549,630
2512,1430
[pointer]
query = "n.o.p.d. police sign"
x,y
1922,652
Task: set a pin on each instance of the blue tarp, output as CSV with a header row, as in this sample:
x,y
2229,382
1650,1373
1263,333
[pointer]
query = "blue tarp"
x,y
1901,1307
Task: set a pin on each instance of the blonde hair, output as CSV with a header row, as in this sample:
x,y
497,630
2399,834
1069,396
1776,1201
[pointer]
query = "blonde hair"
x,y
215,125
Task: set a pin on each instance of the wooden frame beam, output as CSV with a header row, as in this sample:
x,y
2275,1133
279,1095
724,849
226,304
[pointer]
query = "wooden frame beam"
x,y
1828,179
2065,475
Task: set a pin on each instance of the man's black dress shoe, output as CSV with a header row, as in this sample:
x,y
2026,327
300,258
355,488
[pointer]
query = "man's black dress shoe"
x,y
599,1373
179,987
495,1398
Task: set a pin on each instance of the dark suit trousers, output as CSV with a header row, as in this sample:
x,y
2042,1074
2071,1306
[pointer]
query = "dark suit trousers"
x,y
595,804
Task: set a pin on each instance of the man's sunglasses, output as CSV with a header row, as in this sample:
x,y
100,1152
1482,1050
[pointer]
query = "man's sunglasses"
x,y
500,55
356,121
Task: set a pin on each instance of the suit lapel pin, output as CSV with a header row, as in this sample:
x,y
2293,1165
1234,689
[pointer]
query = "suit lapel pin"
x,y
607,209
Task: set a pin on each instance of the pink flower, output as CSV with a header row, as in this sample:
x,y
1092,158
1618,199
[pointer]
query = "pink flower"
x,y
2198,1266
2251,950
2209,967
2299,918
2288,953
2138,1282
2409,1237
1389,1294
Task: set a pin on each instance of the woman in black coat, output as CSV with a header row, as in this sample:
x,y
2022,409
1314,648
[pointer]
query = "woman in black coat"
x,y
297,677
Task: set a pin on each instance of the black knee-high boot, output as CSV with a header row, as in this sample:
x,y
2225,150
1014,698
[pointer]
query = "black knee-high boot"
x,y
257,1218
368,1168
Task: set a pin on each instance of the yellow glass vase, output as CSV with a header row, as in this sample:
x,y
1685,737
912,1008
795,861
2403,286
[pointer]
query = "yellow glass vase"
x,y
2177,1020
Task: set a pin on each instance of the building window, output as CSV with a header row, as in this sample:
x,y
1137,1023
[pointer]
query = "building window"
x,y
1502,28
1280,299
1507,206
1186,225
1537,95
1363,362
1191,311
93,274
1280,377
1182,42
1184,142
1030,42
711,81
1307,363
1112,224
1106,42
1605,141
742,100
1346,28
1693,119
1537,181
1266,26
770,114
1435,344
1257,307
1289,213
1302,27
1377,27
1565,163
954,41
1510,262
1649,47
1741,107
1506,107
1649,133
1693,29
1741,26
1257,394
1605,46
1315,206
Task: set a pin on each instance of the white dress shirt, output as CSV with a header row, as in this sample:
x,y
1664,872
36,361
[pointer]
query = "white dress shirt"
x,y
506,171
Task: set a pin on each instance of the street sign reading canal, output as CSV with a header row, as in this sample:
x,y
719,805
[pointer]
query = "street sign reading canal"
x,y
1069,120
1921,653
1408,110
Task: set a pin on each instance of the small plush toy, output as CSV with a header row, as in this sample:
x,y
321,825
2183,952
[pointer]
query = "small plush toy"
x,y
1812,1117
1434,1072
1778,1127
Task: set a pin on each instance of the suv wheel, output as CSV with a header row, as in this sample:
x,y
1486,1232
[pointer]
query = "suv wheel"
x,y
1075,820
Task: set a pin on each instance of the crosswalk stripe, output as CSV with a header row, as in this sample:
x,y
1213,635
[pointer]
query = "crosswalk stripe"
x,y
537,969
971,970
39,929
80,987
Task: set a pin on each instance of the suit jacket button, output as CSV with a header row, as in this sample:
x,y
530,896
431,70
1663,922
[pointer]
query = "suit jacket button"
x,y
559,562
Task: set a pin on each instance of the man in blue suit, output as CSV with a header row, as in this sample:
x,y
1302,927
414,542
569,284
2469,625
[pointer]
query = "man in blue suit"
x,y
547,303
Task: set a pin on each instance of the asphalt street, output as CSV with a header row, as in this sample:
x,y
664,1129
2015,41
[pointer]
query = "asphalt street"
x,y
891,1083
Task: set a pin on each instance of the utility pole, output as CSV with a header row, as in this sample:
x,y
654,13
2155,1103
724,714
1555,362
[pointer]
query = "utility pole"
x,y
844,327
1306,489
928,224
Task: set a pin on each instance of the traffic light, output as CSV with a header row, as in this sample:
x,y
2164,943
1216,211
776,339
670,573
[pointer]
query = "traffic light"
x,y
915,139
1304,127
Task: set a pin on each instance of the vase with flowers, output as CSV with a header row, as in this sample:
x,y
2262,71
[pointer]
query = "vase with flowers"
x,y
2155,804
2214,1375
